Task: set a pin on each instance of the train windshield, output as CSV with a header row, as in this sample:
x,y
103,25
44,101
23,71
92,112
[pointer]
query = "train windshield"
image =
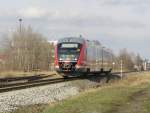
x,y
68,51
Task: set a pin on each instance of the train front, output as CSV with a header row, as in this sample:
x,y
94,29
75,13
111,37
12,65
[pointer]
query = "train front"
x,y
68,55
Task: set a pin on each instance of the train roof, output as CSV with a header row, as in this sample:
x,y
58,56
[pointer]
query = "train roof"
x,y
78,40
72,39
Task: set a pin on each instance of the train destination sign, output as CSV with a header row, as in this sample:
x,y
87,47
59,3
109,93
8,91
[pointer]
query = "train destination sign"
x,y
68,40
69,45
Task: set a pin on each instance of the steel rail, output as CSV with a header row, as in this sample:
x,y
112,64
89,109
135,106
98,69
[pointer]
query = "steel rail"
x,y
11,79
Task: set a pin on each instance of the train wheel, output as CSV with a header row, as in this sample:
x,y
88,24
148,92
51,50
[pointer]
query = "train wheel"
x,y
65,77
88,70
102,70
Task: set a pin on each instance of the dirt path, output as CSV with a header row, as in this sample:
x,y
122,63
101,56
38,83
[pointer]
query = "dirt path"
x,y
136,103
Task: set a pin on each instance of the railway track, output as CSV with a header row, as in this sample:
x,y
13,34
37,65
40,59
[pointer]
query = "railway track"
x,y
11,79
17,86
10,84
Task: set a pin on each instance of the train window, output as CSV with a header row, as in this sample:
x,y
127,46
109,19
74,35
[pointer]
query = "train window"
x,y
78,50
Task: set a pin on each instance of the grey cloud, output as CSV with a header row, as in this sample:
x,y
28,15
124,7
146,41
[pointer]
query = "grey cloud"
x,y
96,21
125,2
110,21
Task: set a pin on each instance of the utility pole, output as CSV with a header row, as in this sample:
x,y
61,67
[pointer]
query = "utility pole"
x,y
145,64
20,23
19,51
121,69
102,57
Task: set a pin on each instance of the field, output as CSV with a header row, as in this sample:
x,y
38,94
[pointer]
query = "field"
x,y
129,95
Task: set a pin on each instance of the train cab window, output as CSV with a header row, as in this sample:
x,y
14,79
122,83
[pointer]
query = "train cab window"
x,y
69,51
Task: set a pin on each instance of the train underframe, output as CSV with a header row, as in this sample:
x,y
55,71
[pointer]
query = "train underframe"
x,y
67,69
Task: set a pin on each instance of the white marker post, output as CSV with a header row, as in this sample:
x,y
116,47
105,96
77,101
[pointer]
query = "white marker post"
x,y
121,69
113,66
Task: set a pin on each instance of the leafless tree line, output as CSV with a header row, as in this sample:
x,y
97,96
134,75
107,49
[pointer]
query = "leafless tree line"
x,y
26,50
130,60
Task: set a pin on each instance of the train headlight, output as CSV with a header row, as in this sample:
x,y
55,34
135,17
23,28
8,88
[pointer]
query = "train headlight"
x,y
57,66
75,59
77,66
60,58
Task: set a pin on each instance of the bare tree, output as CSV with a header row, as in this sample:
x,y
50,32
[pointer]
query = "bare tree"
x,y
27,50
127,59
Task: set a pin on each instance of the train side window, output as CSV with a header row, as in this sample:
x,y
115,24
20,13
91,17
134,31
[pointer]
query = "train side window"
x,y
86,53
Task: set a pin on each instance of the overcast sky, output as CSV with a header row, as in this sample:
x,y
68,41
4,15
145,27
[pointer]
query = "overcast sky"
x,y
115,23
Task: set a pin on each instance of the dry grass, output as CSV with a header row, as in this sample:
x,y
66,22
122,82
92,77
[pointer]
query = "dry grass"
x,y
20,73
135,79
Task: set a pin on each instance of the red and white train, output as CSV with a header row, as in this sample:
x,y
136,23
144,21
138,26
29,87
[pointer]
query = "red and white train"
x,y
74,55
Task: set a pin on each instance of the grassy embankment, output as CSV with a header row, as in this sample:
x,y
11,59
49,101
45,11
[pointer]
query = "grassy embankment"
x,y
118,97
130,95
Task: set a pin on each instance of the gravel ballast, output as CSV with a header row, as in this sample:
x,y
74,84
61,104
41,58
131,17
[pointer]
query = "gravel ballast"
x,y
39,95
9,101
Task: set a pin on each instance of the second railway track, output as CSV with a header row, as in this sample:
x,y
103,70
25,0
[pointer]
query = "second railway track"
x,y
35,81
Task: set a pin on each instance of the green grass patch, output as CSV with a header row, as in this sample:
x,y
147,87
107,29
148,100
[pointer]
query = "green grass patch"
x,y
30,109
101,100
105,99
